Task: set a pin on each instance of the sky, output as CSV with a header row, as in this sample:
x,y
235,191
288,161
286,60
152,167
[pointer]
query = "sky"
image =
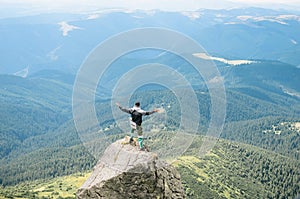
x,y
29,7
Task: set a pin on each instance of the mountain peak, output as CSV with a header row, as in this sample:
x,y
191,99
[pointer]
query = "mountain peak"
x,y
125,172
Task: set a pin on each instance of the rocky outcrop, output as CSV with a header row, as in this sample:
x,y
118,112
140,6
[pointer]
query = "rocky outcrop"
x,y
125,172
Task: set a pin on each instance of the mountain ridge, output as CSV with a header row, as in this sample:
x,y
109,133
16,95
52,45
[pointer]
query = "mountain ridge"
x,y
255,37
38,137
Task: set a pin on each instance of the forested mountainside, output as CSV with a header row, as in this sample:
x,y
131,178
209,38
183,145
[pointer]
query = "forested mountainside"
x,y
255,50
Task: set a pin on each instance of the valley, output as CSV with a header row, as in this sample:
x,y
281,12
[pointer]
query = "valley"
x,y
256,51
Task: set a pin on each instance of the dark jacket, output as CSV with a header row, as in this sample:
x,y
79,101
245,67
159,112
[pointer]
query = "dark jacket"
x,y
136,114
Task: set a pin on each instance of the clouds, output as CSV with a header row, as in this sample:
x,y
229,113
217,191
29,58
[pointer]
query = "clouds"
x,y
77,5
138,4
36,6
268,1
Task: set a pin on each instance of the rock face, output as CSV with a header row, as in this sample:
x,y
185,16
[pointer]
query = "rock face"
x,y
125,172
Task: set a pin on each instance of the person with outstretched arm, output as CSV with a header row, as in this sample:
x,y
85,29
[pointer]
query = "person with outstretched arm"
x,y
136,121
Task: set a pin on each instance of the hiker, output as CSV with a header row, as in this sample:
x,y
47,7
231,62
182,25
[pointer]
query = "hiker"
x,y
136,121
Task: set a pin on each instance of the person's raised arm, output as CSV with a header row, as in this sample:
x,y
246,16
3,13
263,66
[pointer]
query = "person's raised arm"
x,y
123,109
151,112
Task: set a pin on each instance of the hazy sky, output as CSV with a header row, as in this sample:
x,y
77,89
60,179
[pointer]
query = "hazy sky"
x,y
25,7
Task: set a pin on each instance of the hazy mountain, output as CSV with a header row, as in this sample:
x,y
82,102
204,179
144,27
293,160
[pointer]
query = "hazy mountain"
x,y
57,41
36,112
257,53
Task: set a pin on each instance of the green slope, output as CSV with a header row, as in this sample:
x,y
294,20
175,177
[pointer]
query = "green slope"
x,y
235,170
230,170
30,107
39,141
276,134
62,138
45,156
60,187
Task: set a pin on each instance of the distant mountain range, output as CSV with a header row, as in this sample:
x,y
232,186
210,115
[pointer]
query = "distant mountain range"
x,y
62,41
256,51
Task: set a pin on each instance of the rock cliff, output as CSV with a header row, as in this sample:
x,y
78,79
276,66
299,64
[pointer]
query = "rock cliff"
x,y
125,172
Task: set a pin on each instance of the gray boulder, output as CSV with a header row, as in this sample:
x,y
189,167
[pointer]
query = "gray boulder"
x,y
125,172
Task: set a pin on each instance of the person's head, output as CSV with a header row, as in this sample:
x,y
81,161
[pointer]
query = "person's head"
x,y
137,104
